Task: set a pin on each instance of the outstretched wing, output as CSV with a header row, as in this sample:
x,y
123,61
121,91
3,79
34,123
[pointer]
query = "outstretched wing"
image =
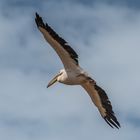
x,y
67,55
100,99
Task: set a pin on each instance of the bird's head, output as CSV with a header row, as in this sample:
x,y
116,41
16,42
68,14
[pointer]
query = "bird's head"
x,y
55,79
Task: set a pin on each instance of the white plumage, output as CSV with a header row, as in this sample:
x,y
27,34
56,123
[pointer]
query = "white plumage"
x,y
73,74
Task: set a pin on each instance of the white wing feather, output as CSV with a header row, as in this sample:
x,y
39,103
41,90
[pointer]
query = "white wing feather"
x,y
67,55
100,99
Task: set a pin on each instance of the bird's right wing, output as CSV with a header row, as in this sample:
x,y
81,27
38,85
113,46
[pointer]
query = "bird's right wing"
x,y
100,99
66,53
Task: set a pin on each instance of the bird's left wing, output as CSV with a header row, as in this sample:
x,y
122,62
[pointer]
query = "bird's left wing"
x,y
100,99
67,55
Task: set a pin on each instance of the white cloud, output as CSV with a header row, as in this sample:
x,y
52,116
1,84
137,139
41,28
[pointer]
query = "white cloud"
x,y
107,41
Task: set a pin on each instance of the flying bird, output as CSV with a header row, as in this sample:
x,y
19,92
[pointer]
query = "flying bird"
x,y
73,74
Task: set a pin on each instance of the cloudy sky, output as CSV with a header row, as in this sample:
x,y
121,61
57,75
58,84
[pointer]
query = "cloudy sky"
x,y
105,34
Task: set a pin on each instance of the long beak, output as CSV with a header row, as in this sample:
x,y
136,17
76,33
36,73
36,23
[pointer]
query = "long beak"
x,y
54,80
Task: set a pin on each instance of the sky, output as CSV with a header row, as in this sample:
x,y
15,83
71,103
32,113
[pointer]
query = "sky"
x,y
104,33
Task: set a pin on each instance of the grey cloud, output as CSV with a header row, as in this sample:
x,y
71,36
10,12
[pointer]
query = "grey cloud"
x,y
135,4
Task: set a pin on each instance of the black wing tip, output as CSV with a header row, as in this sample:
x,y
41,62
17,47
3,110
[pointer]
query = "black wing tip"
x,y
110,116
112,122
37,15
39,21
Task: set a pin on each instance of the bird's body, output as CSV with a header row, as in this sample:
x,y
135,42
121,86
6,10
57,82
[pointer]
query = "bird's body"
x,y
71,77
73,74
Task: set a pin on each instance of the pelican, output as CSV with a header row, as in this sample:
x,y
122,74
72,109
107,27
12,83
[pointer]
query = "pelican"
x,y
73,74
